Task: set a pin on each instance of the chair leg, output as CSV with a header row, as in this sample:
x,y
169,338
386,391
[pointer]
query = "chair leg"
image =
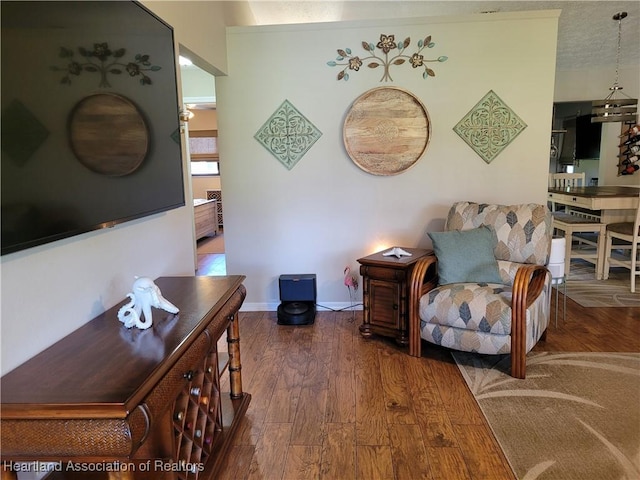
x,y
568,234
601,252
608,251
518,364
634,266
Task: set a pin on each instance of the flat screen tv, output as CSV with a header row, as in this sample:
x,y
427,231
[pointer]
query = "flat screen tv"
x,y
587,138
89,119
581,140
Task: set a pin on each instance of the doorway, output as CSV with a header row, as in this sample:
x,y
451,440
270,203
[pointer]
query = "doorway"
x,y
199,98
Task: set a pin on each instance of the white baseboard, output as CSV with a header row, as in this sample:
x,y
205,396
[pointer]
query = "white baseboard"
x,y
321,307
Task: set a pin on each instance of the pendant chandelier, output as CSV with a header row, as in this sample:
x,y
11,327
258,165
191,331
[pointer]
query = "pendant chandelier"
x,y
614,108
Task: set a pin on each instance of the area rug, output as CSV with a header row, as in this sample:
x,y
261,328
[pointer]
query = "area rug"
x,y
575,416
583,288
213,244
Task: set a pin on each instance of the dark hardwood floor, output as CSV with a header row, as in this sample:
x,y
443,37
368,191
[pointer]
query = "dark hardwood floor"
x,y
328,404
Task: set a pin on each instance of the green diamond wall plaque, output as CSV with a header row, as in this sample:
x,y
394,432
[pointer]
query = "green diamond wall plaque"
x,y
489,127
287,134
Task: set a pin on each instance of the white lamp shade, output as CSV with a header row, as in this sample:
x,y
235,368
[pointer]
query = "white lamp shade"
x,y
557,250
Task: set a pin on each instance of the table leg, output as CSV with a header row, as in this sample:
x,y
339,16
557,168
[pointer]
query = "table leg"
x,y
365,328
601,251
235,365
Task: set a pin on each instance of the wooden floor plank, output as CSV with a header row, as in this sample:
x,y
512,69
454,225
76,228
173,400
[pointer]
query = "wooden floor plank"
x,y
339,452
456,397
261,384
309,424
447,463
482,454
431,414
286,394
237,462
303,461
374,462
395,388
409,454
268,458
341,395
371,422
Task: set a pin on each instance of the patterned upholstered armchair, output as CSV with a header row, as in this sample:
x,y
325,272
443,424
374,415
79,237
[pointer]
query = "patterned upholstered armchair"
x,y
486,288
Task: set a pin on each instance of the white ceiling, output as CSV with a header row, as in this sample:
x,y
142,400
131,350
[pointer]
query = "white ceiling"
x,y
587,35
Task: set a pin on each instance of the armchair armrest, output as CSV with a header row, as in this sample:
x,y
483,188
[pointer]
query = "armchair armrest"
x,y
527,287
424,277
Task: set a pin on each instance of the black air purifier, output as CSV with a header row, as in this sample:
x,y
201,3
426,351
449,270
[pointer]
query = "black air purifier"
x,y
298,299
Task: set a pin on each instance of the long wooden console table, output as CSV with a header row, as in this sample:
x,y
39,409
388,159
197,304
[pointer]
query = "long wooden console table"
x,y
107,402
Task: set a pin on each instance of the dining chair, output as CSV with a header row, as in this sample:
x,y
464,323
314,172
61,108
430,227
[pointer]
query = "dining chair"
x,y
629,233
578,226
564,180
560,180
573,223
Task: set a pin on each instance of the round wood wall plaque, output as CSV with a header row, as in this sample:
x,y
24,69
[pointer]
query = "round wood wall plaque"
x,y
108,134
386,131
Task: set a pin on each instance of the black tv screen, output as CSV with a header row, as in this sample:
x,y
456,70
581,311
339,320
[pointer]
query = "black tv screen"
x,y
90,126
587,138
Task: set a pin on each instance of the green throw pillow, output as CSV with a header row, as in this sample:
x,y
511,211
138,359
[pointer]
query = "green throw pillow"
x,y
466,256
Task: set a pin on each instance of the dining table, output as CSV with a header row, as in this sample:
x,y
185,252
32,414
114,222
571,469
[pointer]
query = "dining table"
x,y
606,203
615,203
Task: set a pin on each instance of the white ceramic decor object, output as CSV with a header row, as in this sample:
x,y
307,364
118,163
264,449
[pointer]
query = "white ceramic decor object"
x,y
145,295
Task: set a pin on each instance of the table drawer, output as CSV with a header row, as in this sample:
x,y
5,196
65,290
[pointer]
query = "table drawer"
x,y
382,273
567,199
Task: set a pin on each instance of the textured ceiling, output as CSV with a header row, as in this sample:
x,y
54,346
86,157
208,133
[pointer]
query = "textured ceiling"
x,y
587,34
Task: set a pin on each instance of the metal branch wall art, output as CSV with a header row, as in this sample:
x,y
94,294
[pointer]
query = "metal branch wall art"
x,y
394,54
104,61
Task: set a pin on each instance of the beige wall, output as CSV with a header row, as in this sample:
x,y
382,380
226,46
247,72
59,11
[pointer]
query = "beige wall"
x,y
326,212
199,28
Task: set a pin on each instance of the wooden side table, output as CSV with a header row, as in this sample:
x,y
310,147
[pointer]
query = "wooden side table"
x,y
384,293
